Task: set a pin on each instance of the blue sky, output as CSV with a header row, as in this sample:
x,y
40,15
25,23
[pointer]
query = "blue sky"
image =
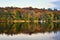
x,y
57,5
33,3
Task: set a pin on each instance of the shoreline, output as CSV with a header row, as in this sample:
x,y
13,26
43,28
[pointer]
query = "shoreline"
x,y
29,21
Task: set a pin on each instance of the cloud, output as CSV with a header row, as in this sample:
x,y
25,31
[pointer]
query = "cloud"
x,y
27,3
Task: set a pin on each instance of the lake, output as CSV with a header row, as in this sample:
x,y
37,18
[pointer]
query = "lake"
x,y
30,31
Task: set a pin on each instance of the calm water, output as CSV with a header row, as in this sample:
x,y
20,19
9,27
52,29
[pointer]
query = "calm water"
x,y
30,31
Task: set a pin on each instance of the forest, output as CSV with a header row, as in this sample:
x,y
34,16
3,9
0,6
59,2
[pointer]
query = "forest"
x,y
28,14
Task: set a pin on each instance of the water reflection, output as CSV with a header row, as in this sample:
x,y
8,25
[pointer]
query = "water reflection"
x,y
28,28
36,31
38,36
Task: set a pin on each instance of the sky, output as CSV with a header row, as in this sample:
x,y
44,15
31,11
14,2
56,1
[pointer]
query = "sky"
x,y
31,3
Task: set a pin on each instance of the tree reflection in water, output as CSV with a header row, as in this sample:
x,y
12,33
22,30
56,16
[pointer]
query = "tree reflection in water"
x,y
28,28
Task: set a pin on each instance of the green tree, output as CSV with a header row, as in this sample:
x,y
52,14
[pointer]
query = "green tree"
x,y
56,16
18,15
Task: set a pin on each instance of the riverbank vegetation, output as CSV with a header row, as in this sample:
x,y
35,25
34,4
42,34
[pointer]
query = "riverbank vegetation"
x,y
28,14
